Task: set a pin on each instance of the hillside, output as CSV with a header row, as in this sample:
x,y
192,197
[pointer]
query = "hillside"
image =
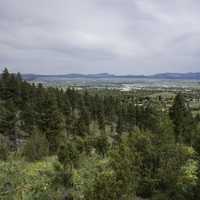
x,y
96,144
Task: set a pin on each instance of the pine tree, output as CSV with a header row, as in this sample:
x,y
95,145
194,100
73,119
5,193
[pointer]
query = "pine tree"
x,y
37,146
49,119
182,118
153,117
4,148
4,83
9,123
102,144
68,154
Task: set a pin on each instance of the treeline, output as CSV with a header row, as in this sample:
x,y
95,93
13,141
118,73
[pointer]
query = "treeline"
x,y
107,146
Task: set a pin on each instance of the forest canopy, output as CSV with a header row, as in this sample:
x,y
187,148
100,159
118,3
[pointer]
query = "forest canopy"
x,y
89,145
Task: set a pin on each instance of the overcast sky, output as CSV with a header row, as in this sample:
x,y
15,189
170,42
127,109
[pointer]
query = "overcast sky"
x,y
96,36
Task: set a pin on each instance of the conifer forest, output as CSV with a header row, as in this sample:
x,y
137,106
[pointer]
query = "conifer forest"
x,y
69,144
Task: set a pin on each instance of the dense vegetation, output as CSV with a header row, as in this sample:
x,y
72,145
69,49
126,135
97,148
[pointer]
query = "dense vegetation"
x,y
57,144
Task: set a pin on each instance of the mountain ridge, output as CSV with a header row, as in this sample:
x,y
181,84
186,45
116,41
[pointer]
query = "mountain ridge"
x,y
167,75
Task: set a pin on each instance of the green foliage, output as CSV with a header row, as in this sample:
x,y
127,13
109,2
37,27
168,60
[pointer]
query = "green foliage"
x,y
49,119
189,176
105,187
37,147
101,144
68,154
122,162
136,162
4,150
85,177
182,118
176,161
22,180
104,144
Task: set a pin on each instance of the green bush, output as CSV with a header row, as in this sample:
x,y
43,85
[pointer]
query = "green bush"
x,y
26,181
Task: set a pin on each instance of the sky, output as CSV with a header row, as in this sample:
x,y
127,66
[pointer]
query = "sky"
x,y
98,36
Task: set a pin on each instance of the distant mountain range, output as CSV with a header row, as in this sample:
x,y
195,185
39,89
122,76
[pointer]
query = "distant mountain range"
x,y
192,76
177,76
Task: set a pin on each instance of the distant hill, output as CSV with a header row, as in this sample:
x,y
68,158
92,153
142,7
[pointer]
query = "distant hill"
x,y
181,76
190,76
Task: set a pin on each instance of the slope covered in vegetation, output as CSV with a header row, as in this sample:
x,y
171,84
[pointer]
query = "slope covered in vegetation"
x,y
57,144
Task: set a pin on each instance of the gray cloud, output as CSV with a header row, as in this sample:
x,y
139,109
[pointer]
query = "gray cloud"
x,y
92,36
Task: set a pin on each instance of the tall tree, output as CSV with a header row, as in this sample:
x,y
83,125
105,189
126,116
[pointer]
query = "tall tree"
x,y
50,120
181,116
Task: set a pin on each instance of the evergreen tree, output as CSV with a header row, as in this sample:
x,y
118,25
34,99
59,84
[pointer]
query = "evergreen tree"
x,y
4,150
68,154
102,144
37,147
182,118
50,120
10,123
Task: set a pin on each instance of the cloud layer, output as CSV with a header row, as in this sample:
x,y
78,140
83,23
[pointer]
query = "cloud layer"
x,y
92,36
